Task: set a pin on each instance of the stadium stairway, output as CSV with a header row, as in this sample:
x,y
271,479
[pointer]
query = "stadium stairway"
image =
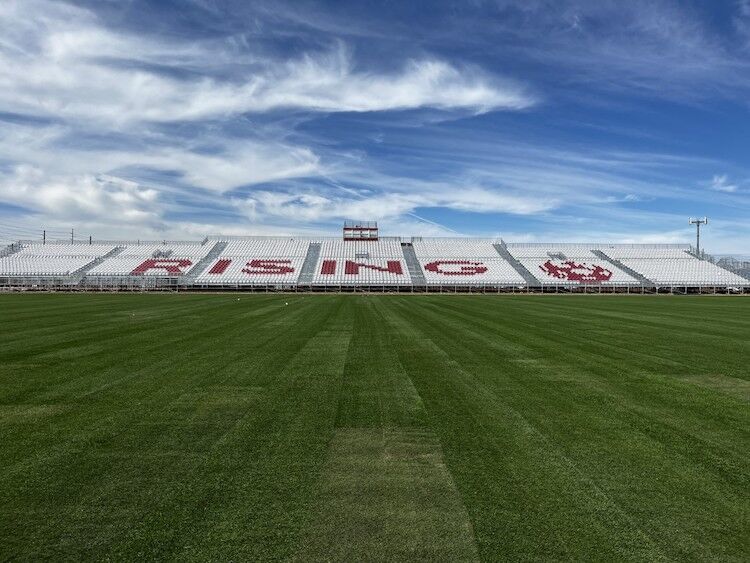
x,y
308,266
78,275
522,271
630,271
204,262
415,270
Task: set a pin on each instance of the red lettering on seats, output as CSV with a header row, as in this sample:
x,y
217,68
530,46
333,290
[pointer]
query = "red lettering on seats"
x,y
576,271
352,268
328,268
220,267
171,266
268,267
466,268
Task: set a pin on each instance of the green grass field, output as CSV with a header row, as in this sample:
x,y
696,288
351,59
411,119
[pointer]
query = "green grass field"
x,y
355,427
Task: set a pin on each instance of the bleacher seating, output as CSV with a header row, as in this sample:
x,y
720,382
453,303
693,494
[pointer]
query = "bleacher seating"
x,y
42,265
639,251
51,259
280,261
673,266
153,260
377,262
568,264
259,261
77,249
464,261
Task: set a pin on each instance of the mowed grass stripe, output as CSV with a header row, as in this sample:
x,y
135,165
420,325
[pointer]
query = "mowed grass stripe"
x,y
373,427
163,458
707,440
597,431
120,383
530,501
376,391
385,493
271,461
598,360
53,324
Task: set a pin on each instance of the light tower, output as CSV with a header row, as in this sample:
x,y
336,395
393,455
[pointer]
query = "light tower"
x,y
698,222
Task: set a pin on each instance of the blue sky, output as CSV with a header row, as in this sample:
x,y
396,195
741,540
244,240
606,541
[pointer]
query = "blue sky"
x,y
532,120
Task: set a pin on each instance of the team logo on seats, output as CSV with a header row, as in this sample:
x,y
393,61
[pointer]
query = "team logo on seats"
x,y
576,271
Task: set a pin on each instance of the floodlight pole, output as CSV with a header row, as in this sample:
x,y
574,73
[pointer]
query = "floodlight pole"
x,y
698,223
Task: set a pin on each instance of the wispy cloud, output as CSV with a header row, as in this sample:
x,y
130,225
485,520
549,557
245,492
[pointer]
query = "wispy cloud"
x,y
60,62
720,183
535,118
664,49
319,205
81,198
68,77
229,162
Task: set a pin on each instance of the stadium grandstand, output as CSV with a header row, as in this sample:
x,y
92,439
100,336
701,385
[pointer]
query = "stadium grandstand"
x,y
361,260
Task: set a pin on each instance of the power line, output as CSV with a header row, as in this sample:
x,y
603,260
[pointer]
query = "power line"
x,y
11,229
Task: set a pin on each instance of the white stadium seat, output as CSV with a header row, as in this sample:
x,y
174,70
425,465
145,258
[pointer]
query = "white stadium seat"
x,y
259,261
673,266
152,260
378,262
569,264
280,261
464,261
51,259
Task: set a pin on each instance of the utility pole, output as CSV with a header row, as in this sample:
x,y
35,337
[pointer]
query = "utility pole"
x,y
698,223
44,237
71,236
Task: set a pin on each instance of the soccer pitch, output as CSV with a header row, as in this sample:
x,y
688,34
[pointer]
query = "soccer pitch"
x,y
361,427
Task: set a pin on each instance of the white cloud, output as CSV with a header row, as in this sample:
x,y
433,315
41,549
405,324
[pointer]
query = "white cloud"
x,y
322,205
59,61
81,198
115,105
720,183
232,162
331,84
315,207
239,164
483,200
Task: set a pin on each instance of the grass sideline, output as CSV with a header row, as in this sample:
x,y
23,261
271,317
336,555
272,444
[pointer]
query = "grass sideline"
x,y
350,427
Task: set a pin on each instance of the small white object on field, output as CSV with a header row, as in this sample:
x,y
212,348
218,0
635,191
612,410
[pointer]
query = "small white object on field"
x,y
286,303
